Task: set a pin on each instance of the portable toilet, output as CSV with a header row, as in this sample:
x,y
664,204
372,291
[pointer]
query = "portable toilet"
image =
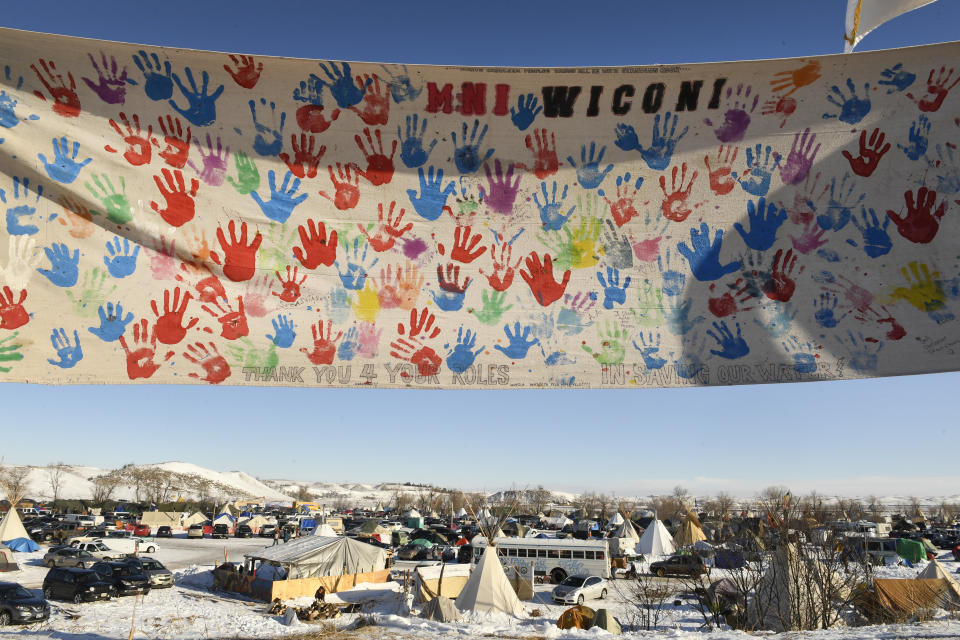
x,y
414,519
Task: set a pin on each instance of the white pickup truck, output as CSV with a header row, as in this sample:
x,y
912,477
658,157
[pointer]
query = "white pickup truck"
x,y
99,550
126,542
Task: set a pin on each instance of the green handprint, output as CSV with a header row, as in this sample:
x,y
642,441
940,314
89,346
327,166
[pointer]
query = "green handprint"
x,y
115,203
612,344
247,354
584,250
649,311
93,293
560,244
590,206
276,253
248,176
9,352
492,307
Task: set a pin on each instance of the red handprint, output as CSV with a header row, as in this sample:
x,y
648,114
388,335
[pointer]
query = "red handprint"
x,y
896,332
379,166
422,324
180,207
346,188
780,286
450,281
311,119
240,259
233,324
178,143
376,102
324,346
920,225
12,313
937,90
624,208
464,245
424,358
247,73
138,145
215,367
317,247
206,283
675,205
539,277
291,287
503,271
782,107
722,181
730,302
386,232
545,161
870,153
169,327
65,100
305,161
140,362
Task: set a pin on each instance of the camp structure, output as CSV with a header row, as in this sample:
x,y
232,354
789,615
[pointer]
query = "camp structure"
x,y
325,530
488,590
414,519
900,599
461,513
615,521
784,597
195,518
319,556
440,609
576,617
603,619
935,571
911,550
11,528
623,538
558,521
445,580
7,562
689,532
373,529
656,540
225,518
256,523
155,519
230,510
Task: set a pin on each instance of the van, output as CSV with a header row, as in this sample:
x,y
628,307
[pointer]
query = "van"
x,y
81,520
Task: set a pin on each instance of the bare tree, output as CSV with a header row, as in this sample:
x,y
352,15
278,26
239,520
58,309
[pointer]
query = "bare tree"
x,y
648,595
303,494
539,499
105,484
13,483
55,472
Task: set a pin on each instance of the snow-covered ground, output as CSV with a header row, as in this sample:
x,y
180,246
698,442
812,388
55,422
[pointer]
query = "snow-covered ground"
x,y
191,609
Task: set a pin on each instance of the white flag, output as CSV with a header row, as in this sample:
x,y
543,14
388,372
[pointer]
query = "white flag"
x,y
863,16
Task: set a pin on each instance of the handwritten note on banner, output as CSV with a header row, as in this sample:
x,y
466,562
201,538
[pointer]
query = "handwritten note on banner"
x,y
177,216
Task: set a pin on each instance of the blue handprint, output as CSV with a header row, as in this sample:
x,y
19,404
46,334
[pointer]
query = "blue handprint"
x,y
525,112
282,201
876,240
402,87
24,210
692,362
310,91
764,219
613,293
201,109
8,103
519,342
433,195
919,130
756,179
840,206
704,258
662,142
411,148
284,334
897,78
649,351
355,275
804,358
69,354
825,311
852,108
673,280
347,350
343,87
159,84
269,141
467,155
863,352
112,322
589,174
461,357
677,315
731,347
121,262
64,268
948,174
551,216
64,168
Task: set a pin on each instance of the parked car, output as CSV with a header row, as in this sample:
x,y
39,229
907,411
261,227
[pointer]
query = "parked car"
x,y
77,585
576,589
140,530
413,552
68,557
221,531
164,531
685,565
244,531
87,536
195,531
126,542
99,550
160,577
18,604
127,578
267,530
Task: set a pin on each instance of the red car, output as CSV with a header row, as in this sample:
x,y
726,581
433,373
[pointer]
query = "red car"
x,y
139,529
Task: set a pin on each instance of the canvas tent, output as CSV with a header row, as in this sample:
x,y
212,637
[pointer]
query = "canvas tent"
x,y
319,556
154,519
325,530
445,580
440,609
196,518
603,619
785,600
256,522
615,521
372,528
689,531
11,528
656,541
488,589
7,561
935,571
624,538
558,521
899,598
911,550
461,513
578,617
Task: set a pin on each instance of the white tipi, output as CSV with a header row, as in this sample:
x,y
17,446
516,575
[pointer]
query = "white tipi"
x,y
488,588
11,527
656,541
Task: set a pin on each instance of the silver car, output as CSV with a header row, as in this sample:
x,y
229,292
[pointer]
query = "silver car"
x,y
69,557
160,576
576,589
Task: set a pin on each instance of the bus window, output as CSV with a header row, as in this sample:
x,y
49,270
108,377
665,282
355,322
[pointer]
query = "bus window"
x,y
542,553
578,555
512,553
521,553
599,555
564,554
552,553
588,555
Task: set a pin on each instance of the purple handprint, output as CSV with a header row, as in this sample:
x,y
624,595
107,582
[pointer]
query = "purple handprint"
x,y
111,83
800,159
214,162
503,189
736,119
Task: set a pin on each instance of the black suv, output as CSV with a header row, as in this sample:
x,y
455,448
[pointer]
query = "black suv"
x,y
79,585
685,565
165,531
127,579
220,531
244,531
21,605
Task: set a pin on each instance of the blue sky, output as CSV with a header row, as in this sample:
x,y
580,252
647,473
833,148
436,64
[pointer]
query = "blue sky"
x,y
854,437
